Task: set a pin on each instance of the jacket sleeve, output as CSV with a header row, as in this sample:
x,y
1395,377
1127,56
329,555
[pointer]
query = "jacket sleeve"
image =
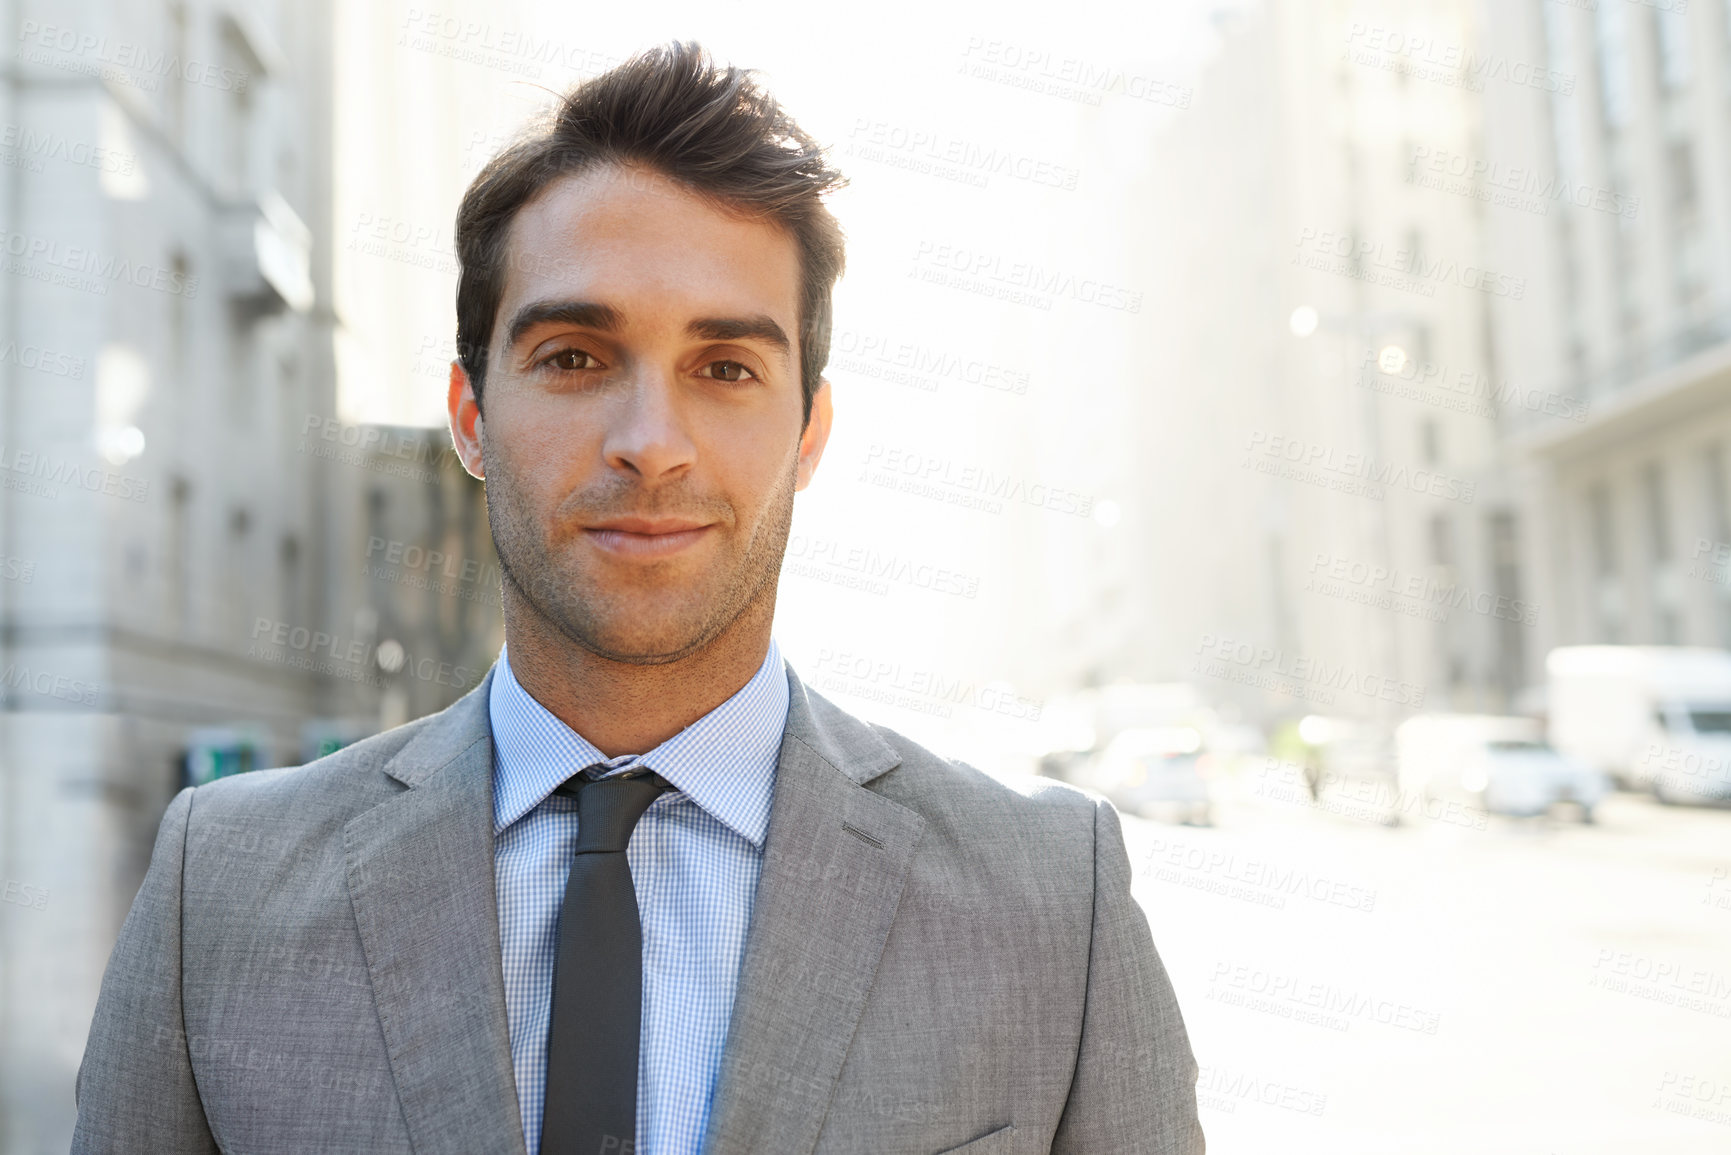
x,y
135,1090
1134,1088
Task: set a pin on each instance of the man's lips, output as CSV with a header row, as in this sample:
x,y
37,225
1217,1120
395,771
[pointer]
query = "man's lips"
x,y
646,537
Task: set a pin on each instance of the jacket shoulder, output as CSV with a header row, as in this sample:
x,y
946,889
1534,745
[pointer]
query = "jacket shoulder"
x,y
1020,831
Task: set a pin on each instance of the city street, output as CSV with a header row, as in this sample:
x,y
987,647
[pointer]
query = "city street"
x,y
1476,984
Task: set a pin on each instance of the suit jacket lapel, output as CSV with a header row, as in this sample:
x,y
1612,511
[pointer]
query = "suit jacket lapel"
x,y
835,861
420,876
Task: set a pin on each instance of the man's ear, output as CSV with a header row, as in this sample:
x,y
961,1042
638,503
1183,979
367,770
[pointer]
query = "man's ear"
x,y
816,434
466,429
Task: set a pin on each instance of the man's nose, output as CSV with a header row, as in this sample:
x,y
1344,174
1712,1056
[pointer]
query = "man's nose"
x,y
647,432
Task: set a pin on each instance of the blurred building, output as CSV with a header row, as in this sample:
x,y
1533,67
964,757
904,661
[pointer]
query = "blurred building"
x,y
202,569
1630,155
1328,354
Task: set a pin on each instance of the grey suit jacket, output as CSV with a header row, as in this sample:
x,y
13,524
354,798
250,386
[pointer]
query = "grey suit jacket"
x,y
937,962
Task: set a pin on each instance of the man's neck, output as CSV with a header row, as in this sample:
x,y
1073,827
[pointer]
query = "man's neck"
x,y
625,707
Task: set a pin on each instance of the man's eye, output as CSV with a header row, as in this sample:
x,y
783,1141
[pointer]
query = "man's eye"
x,y
728,371
570,360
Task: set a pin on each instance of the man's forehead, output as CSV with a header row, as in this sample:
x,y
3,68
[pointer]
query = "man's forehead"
x,y
628,230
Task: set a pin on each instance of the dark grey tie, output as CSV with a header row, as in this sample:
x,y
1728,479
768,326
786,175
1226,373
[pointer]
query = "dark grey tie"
x,y
591,1094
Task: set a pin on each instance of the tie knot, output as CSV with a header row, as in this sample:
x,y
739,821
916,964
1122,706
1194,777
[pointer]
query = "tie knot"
x,y
608,810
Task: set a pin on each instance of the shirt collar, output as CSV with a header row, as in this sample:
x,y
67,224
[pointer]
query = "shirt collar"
x,y
725,761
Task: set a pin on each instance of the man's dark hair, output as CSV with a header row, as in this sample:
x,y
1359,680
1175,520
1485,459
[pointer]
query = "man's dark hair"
x,y
675,111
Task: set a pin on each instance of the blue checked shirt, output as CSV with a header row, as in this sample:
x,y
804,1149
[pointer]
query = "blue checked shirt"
x,y
695,857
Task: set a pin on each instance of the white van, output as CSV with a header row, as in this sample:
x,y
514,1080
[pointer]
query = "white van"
x,y
1652,717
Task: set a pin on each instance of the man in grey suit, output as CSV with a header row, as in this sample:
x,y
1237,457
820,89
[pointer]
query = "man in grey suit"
x,y
642,890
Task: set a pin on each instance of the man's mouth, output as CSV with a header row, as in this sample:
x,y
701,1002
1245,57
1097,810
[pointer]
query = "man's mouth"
x,y
646,537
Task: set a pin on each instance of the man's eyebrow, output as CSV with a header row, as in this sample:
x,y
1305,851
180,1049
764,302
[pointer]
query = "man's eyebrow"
x,y
760,326
588,314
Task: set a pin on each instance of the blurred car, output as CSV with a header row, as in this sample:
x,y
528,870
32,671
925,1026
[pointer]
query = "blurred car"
x,y
1499,764
1155,772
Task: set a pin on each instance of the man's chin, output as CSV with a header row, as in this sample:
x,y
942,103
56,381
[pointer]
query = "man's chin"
x,y
634,644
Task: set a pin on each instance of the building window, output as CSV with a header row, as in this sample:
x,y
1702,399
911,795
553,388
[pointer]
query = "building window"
x,y
177,50
1687,250
289,562
1559,25
1441,541
1658,519
1607,591
1566,142
178,320
1719,510
1664,572
178,556
1506,581
1671,44
238,158
1680,156
1713,473
1615,96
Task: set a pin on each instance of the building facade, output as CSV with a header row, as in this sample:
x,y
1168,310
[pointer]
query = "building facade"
x,y
202,568
1631,154
1327,374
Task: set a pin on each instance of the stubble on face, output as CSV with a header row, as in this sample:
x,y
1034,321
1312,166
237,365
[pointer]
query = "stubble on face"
x,y
654,617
